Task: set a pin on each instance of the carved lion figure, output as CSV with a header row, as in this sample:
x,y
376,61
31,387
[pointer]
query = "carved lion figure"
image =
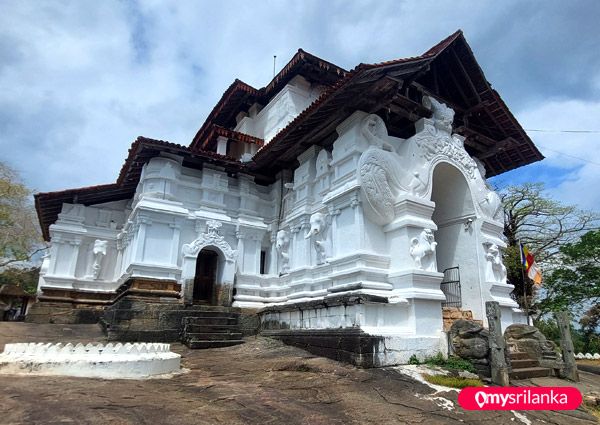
x,y
422,250
495,269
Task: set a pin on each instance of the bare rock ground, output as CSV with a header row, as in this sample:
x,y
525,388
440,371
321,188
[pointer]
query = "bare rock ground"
x,y
259,382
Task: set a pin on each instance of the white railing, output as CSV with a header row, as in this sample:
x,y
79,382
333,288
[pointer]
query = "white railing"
x,y
110,361
70,350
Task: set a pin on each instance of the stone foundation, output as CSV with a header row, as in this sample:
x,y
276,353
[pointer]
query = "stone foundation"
x,y
64,313
362,329
83,307
346,345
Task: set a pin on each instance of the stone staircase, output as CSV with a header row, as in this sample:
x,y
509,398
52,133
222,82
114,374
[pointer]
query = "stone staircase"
x,y
524,367
212,329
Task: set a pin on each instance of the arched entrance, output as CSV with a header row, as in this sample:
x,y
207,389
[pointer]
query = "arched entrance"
x,y
205,278
454,216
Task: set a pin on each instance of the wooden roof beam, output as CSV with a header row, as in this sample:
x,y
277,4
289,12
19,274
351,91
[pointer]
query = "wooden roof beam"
x,y
466,75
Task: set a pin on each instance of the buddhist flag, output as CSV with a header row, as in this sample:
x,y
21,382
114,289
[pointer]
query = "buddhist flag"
x,y
531,268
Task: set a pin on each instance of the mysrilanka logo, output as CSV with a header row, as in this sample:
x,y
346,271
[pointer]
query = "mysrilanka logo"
x,y
520,398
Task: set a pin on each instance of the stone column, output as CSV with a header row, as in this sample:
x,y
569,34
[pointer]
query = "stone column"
x,y
498,366
241,236
566,345
175,243
222,145
274,257
75,244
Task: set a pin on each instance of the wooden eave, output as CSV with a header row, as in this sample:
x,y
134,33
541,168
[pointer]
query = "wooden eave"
x,y
394,89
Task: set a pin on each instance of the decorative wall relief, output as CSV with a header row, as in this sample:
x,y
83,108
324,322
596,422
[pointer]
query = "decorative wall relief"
x,y
282,245
495,271
434,141
317,233
323,162
98,252
442,116
379,171
488,200
210,238
422,250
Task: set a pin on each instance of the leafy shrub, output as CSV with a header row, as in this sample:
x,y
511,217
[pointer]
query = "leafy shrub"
x,y
413,360
452,363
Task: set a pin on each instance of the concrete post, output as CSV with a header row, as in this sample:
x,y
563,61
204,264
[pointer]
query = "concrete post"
x,y
566,345
498,366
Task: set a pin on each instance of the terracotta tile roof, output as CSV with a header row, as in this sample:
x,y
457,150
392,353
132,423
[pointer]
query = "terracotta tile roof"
x,y
239,92
498,107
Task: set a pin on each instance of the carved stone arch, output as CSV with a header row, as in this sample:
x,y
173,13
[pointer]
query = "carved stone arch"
x,y
225,268
446,162
486,202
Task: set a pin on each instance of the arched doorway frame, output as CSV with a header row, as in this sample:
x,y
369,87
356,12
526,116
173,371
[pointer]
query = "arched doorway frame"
x,y
213,241
456,235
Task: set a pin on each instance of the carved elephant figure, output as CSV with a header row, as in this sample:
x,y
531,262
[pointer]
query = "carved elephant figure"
x,y
316,231
281,244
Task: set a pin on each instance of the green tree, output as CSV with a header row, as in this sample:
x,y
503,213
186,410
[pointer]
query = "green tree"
x,y
26,278
20,236
590,328
574,283
544,225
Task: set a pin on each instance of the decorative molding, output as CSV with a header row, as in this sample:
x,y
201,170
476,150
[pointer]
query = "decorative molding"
x,y
210,238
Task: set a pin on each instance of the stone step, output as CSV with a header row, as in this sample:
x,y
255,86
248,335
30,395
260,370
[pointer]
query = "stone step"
x,y
524,363
202,313
519,356
215,336
208,321
529,372
192,327
212,308
200,344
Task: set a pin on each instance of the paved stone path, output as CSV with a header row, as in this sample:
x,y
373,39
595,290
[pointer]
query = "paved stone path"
x,y
259,382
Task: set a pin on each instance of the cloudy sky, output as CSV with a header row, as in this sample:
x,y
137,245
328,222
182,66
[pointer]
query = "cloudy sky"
x,y
80,80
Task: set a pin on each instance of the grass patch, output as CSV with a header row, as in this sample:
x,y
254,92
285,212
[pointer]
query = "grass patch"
x,y
593,410
452,381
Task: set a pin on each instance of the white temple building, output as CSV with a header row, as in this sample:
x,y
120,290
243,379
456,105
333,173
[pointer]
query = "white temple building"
x,y
331,202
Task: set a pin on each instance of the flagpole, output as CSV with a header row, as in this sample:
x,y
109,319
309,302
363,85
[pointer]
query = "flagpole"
x,y
524,281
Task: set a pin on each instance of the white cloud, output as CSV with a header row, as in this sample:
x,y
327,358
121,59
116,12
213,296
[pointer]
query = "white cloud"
x,y
79,81
577,154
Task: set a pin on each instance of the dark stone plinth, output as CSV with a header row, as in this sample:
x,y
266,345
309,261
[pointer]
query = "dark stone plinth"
x,y
326,303
348,345
64,313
